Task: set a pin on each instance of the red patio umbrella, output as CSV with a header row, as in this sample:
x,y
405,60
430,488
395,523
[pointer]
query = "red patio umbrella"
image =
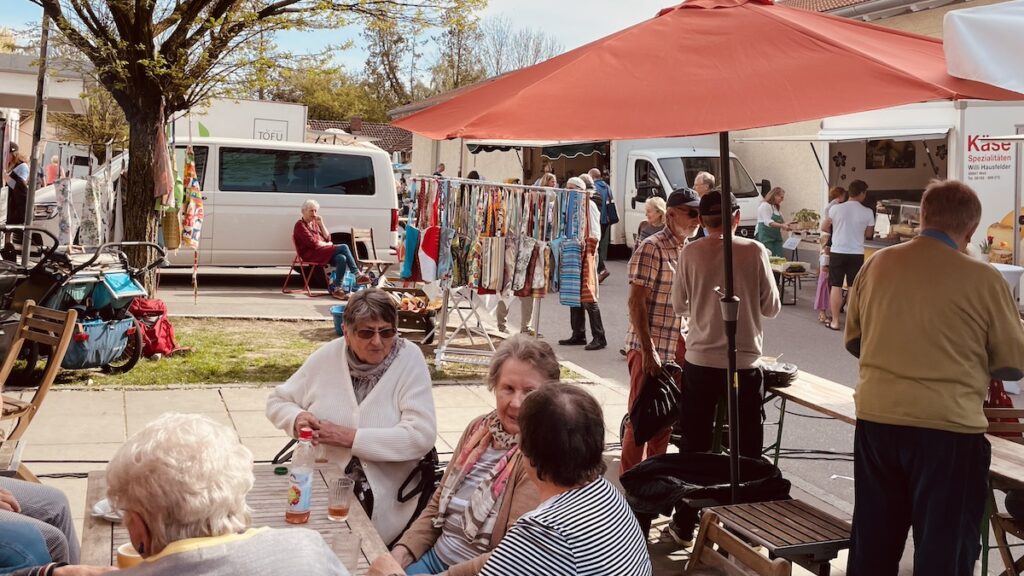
x,y
701,67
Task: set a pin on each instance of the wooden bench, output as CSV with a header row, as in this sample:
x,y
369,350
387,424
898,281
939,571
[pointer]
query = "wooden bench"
x,y
789,529
733,556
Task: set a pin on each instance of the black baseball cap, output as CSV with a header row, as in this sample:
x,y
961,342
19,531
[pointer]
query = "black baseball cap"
x,y
711,204
683,197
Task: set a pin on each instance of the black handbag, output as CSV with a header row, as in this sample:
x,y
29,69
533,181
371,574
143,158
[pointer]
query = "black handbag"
x,y
657,406
611,213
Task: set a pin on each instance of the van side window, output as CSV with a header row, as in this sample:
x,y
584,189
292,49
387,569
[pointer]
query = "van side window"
x,y
647,175
260,170
202,153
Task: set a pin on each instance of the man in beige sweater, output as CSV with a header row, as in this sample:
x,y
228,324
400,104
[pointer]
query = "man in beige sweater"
x,y
931,327
700,271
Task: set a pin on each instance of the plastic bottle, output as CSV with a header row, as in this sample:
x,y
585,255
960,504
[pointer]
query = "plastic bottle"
x,y
300,479
348,282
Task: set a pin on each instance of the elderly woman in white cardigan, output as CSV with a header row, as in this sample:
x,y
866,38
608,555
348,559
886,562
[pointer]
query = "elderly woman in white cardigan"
x,y
367,397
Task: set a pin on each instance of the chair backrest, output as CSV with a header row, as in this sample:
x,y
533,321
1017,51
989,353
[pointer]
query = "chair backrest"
x,y
363,247
1006,422
742,560
44,327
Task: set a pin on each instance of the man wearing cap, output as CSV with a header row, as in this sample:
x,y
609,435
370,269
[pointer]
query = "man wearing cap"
x,y
654,328
701,271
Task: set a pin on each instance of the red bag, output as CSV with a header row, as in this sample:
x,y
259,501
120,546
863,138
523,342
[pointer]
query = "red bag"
x,y
157,331
998,398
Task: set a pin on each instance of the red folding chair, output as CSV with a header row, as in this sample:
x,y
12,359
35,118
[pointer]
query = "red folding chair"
x,y
306,270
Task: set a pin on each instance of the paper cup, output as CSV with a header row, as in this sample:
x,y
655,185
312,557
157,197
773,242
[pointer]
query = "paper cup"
x,y
127,556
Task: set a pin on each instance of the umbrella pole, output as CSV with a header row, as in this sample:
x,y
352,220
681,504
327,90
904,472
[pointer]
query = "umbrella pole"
x,y
730,308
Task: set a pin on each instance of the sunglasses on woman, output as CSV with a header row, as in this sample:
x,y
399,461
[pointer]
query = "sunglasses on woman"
x,y
369,333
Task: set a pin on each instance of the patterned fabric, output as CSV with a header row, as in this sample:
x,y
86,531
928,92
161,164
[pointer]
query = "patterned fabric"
x,y
653,266
194,213
66,213
481,511
90,233
569,272
365,376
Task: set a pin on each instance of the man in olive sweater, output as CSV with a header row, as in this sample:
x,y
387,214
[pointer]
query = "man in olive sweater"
x,y
931,327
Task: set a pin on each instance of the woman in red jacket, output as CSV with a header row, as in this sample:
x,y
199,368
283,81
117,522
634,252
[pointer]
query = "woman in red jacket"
x,y
313,244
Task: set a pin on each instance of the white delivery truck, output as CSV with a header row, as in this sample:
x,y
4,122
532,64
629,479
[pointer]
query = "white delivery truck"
x,y
898,151
253,192
235,118
641,169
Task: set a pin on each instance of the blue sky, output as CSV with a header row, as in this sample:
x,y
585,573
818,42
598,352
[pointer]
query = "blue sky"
x,y
573,22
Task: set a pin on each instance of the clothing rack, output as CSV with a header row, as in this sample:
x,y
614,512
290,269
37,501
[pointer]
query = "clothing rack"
x,y
489,220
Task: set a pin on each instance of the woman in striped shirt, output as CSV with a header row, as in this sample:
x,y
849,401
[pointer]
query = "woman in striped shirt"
x,y
583,526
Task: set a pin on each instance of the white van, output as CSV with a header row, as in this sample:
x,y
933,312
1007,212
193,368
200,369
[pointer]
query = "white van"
x,y
253,192
640,171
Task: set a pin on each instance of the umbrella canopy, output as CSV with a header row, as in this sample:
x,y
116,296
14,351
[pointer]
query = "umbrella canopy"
x,y
705,66
985,44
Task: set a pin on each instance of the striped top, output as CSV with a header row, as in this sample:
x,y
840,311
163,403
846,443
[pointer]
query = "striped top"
x,y
588,531
453,547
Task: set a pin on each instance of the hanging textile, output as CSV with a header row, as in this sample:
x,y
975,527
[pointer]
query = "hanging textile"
x,y
163,184
89,232
571,258
430,243
66,213
194,214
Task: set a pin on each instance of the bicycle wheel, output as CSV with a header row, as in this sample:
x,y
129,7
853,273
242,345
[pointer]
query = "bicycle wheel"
x,y
132,352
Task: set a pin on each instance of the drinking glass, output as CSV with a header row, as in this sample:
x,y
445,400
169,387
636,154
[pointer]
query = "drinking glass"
x,y
339,498
347,547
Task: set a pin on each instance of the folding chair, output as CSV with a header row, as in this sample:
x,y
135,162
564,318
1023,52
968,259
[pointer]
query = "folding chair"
x,y
365,252
1005,422
45,327
306,270
733,557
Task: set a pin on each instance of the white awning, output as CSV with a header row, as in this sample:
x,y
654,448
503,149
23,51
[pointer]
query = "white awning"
x,y
898,134
985,44
521,143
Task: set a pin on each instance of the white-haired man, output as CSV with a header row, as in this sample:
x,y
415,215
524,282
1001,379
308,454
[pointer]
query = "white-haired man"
x,y
181,483
931,326
703,182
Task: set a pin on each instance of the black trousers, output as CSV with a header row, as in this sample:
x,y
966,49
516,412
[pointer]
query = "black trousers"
x,y
932,480
578,322
703,389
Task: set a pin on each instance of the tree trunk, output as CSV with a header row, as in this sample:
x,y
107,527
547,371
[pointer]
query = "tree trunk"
x,y
140,218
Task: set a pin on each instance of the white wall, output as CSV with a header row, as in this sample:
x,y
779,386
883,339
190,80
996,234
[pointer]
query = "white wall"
x,y
493,166
790,165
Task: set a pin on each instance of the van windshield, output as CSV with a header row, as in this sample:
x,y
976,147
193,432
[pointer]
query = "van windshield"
x,y
682,171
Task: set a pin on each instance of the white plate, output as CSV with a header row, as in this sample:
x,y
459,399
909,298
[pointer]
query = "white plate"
x,y
102,509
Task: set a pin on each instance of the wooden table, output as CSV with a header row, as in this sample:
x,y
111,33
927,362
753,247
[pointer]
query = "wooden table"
x,y
792,279
789,529
100,538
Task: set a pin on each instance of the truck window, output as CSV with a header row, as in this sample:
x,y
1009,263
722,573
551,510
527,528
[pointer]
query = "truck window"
x,y
682,171
202,153
298,172
646,174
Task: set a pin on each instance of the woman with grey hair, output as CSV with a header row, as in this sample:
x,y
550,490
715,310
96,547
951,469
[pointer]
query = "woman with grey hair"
x,y
485,488
181,483
313,244
367,397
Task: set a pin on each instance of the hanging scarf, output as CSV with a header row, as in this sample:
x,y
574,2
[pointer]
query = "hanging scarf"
x,y
365,376
482,509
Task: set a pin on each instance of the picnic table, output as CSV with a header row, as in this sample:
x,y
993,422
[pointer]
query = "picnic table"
x,y
101,538
1005,470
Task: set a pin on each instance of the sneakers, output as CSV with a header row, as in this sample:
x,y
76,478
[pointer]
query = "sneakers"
x,y
595,345
680,536
574,341
339,294
602,276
